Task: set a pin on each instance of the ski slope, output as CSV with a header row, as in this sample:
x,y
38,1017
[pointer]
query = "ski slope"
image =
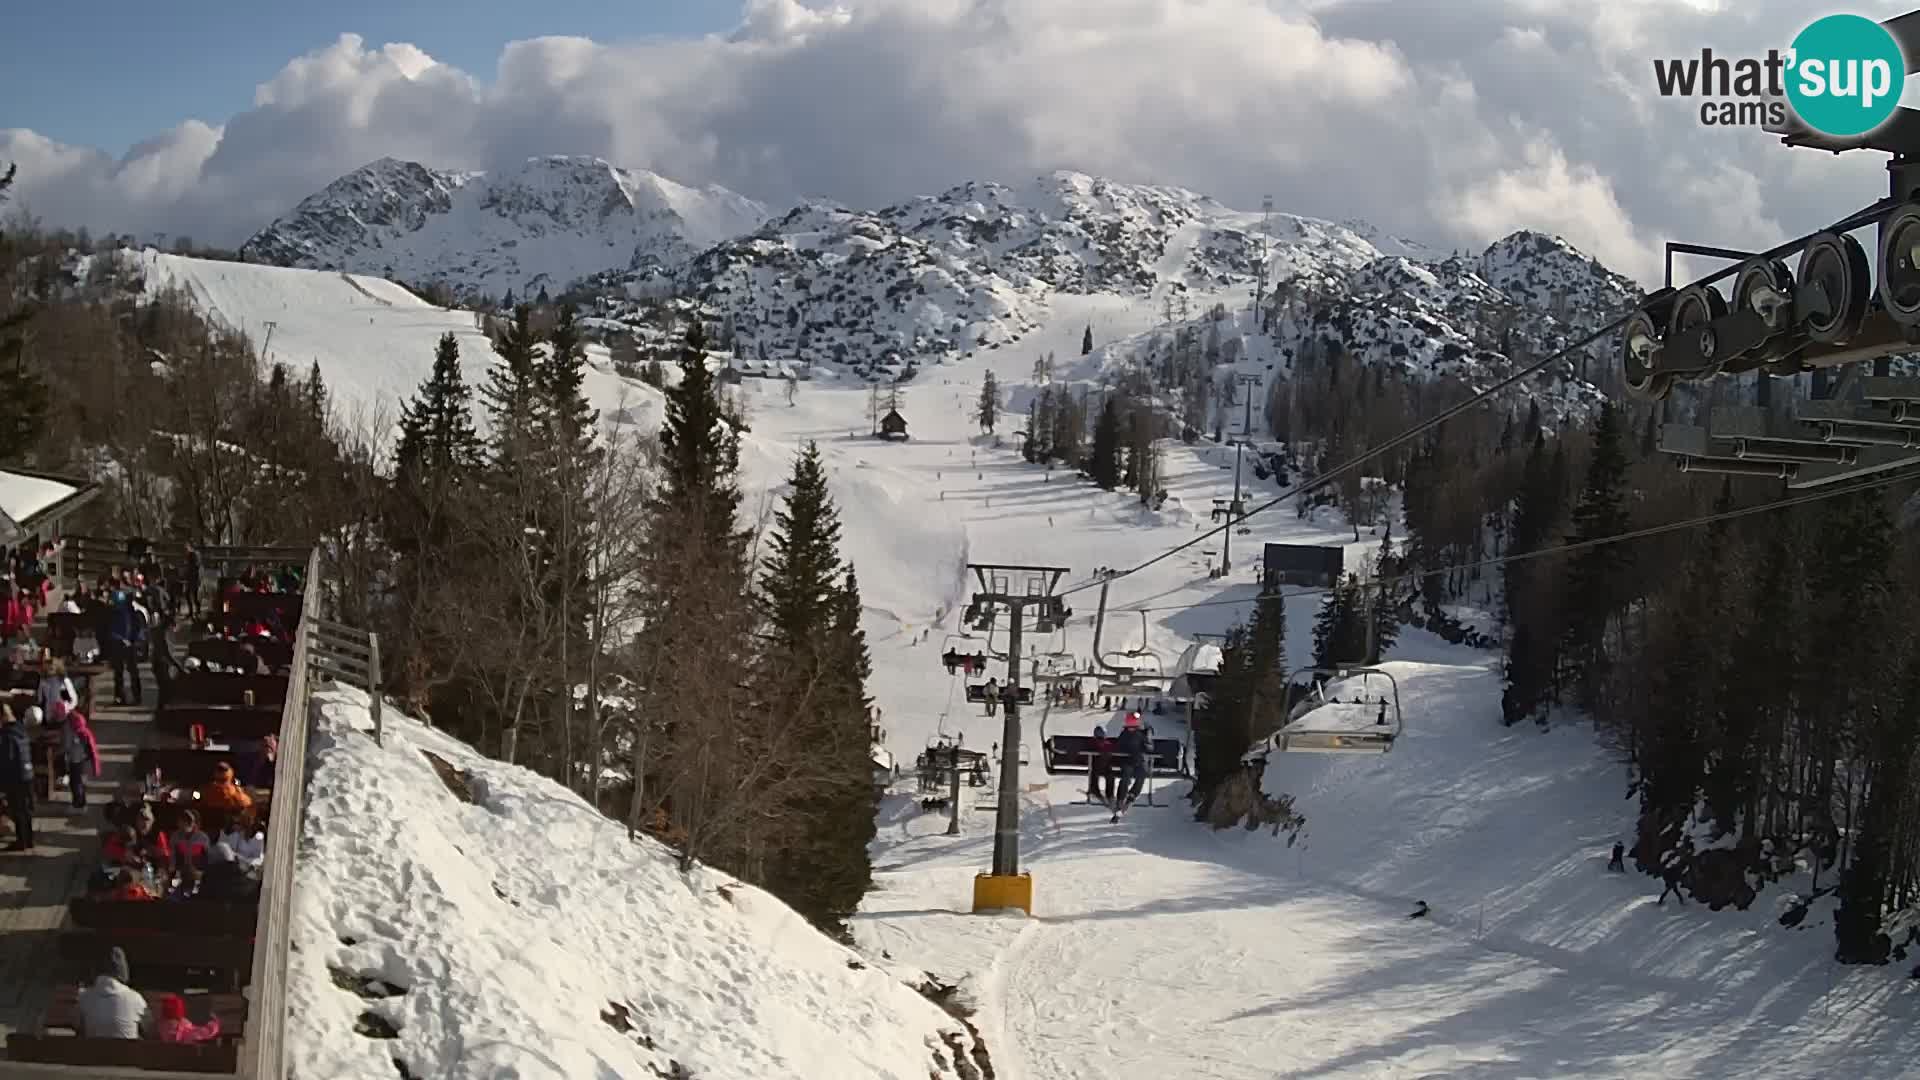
x,y
374,341
1160,948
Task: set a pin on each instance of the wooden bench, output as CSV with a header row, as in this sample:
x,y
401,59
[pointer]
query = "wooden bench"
x,y
223,722
149,954
187,767
1075,753
167,813
248,606
226,651
219,688
189,918
220,1056
63,1014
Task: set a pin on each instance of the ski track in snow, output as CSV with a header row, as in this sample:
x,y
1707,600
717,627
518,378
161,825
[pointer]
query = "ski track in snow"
x,y
1160,948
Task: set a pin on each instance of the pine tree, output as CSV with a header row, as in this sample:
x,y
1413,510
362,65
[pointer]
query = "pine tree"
x,y
511,394
1086,341
570,455
439,452
1105,463
989,407
23,389
437,436
314,396
1597,576
1340,630
813,674
1247,704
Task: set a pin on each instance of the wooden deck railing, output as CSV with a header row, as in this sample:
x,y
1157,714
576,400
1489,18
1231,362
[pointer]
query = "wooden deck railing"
x,y
263,1054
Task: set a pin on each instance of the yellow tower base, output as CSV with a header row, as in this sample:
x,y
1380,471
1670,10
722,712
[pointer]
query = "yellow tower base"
x,y
997,892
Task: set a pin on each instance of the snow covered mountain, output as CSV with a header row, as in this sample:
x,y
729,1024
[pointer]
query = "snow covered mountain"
x,y
977,266
546,223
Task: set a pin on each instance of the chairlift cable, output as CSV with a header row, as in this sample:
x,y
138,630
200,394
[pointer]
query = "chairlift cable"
x,y
1562,549
1852,221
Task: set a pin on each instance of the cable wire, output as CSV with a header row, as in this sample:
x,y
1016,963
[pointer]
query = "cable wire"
x,y
1852,221
1559,549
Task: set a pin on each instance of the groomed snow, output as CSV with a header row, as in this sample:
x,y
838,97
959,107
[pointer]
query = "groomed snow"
x,y
374,341
506,931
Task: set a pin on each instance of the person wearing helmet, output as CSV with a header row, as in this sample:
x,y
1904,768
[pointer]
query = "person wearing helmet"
x,y
1133,747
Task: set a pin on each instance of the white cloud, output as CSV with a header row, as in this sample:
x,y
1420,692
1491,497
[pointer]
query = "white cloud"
x,y
1453,122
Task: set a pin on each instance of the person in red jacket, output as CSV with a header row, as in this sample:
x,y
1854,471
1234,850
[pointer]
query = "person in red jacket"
x,y
174,1027
16,614
1100,769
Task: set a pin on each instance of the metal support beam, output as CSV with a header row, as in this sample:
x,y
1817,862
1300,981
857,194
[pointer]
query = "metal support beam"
x,y
1036,596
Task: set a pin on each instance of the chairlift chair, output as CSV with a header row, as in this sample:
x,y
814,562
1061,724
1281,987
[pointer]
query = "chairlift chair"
x,y
1311,729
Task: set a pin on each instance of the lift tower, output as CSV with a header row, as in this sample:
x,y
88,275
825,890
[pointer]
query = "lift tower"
x,y
1020,591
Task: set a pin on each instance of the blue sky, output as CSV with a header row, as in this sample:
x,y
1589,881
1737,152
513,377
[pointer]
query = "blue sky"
x,y
110,73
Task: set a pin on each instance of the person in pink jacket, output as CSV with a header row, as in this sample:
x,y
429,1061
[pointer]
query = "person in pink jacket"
x,y
174,1027
83,755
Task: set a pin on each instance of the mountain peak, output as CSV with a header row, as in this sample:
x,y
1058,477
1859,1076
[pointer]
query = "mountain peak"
x,y
545,221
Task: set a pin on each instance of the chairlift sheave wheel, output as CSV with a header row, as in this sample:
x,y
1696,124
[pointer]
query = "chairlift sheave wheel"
x,y
1765,287
1836,274
1693,309
1639,341
1900,265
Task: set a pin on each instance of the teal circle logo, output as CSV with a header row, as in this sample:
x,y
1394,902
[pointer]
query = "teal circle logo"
x,y
1846,74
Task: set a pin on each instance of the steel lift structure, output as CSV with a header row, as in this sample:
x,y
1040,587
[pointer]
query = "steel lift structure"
x,y
1824,312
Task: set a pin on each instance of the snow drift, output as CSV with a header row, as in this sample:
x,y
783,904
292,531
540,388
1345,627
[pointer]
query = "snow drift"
x,y
521,934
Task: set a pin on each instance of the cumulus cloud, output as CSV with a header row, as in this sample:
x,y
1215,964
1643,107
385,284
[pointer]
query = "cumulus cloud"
x,y
1452,123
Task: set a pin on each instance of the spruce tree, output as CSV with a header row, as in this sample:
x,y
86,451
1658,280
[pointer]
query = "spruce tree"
x,y
511,395
1247,704
1340,630
437,436
813,675
569,455
1597,576
439,452
23,389
988,410
1105,463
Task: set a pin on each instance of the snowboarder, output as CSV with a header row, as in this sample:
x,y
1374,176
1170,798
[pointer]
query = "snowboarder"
x,y
1133,747
992,695
1420,910
1617,863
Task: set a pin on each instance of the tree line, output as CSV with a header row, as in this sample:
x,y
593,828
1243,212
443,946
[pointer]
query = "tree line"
x,y
586,602
593,604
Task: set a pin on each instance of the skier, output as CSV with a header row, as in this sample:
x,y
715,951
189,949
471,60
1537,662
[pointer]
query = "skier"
x,y
992,695
1617,863
1133,746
